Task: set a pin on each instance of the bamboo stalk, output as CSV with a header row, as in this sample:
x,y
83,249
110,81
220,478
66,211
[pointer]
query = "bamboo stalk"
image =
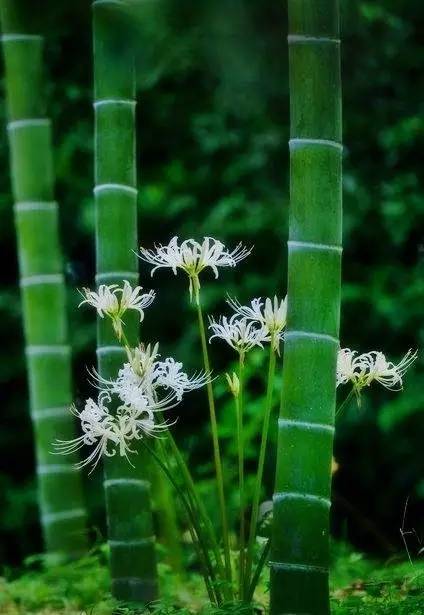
x,y
127,489
300,543
42,282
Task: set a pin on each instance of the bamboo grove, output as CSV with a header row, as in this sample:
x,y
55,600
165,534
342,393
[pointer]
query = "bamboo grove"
x,y
150,482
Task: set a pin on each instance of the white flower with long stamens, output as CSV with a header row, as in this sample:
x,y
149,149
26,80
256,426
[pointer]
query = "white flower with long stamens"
x,y
169,374
240,333
387,373
143,388
104,300
349,367
107,302
132,299
193,257
99,430
272,316
362,370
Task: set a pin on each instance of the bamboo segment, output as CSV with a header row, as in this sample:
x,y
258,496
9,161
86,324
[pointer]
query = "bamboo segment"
x,y
128,500
42,283
300,545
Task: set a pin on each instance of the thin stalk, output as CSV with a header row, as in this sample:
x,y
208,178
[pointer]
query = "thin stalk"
x,y
127,489
215,440
169,530
196,534
300,539
345,402
261,463
192,491
260,565
240,447
43,293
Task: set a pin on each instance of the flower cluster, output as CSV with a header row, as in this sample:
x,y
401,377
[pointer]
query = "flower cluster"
x,y
114,301
271,316
193,257
239,333
128,406
362,369
252,325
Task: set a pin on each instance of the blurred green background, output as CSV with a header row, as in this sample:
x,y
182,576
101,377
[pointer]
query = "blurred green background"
x,y
213,126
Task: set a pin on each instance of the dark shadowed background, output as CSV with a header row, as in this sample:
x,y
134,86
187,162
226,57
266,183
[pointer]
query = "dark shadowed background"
x,y
213,126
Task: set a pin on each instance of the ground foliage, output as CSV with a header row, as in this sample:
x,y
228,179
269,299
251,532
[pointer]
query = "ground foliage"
x,y
213,131
358,586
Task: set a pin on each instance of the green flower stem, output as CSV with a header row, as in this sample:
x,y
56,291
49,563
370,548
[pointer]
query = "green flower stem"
x,y
197,503
240,446
195,531
215,440
345,402
43,292
167,517
261,463
262,561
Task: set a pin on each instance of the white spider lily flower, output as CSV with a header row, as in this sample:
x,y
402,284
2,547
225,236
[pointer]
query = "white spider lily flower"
x,y
99,430
169,374
240,333
272,315
350,367
106,302
387,373
144,377
132,299
362,370
192,257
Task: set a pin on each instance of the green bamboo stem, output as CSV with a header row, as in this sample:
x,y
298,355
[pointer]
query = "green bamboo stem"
x,y
128,500
215,441
42,282
261,464
240,448
300,541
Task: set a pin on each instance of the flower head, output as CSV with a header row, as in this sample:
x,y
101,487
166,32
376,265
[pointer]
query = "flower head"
x,y
169,375
240,333
106,301
272,316
192,257
100,429
143,388
362,370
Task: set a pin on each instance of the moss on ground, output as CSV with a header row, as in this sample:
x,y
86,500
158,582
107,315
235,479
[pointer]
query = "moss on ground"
x,y
359,586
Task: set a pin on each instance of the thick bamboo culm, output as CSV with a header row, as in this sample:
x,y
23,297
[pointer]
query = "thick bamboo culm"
x,y
300,542
127,490
42,283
